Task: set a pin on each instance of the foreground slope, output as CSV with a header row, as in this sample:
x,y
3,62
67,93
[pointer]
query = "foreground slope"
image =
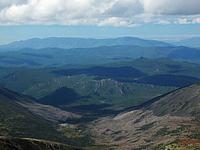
x,y
31,144
168,122
21,117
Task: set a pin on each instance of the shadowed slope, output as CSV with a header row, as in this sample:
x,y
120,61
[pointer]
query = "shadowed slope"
x,y
18,121
31,144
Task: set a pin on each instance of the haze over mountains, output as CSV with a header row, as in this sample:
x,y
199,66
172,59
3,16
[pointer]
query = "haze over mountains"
x,y
68,43
100,75
120,93
54,52
191,42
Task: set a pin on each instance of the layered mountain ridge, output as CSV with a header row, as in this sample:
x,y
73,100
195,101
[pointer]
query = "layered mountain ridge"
x,y
67,43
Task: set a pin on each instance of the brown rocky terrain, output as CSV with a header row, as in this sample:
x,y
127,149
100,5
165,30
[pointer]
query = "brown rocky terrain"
x,y
50,113
170,122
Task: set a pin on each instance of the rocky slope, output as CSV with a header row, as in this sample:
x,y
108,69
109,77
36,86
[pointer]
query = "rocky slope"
x,y
168,122
31,144
21,117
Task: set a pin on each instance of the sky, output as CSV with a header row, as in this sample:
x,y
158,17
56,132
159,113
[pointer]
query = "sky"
x,y
155,19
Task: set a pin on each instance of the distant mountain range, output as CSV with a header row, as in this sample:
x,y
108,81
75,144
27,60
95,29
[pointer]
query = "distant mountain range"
x,y
54,57
191,42
53,52
68,43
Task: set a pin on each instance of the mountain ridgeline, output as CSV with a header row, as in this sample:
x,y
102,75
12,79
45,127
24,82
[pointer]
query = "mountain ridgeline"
x,y
56,57
68,43
191,42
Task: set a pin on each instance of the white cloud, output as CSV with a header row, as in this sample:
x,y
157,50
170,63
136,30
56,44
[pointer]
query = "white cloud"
x,y
172,7
125,8
183,21
7,3
196,20
98,12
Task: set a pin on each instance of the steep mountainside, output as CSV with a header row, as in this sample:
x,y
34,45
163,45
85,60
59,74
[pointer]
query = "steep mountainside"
x,y
21,117
184,102
169,122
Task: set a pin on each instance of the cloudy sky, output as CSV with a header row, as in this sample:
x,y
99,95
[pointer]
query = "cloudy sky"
x,y
104,17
